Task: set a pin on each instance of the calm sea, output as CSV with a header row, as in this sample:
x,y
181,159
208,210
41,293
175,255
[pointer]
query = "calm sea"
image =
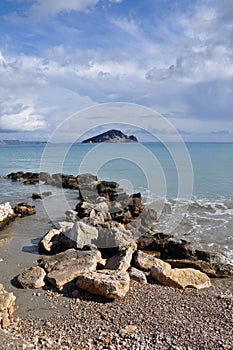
x,y
191,186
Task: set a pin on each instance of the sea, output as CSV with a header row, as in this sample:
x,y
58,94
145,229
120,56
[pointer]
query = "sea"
x,y
190,185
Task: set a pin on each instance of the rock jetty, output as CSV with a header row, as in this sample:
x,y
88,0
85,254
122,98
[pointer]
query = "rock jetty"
x,y
108,240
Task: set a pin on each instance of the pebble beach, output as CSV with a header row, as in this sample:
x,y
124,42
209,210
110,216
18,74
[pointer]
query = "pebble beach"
x,y
149,317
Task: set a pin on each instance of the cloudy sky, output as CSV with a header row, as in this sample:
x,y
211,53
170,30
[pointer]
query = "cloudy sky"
x,y
60,56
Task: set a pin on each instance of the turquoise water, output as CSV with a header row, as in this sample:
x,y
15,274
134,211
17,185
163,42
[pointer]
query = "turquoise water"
x,y
200,174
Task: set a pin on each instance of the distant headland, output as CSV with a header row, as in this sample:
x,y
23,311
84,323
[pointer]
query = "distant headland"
x,y
21,143
112,136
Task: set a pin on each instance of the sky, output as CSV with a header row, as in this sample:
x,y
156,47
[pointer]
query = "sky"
x,y
58,57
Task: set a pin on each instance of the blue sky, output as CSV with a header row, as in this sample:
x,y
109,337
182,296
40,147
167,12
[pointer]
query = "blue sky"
x,y
60,56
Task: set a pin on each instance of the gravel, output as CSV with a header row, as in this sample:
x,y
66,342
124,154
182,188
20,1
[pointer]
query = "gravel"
x,y
149,317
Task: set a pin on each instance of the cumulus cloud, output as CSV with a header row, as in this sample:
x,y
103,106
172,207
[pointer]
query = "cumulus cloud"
x,y
24,119
183,63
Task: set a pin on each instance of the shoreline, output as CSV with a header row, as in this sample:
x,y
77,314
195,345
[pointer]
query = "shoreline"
x,y
149,317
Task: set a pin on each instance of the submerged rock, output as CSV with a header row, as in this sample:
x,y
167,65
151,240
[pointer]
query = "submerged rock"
x,y
43,195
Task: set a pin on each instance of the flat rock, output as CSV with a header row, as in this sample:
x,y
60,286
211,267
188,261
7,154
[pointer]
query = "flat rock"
x,y
145,261
66,266
7,306
120,261
32,277
109,283
180,278
137,275
200,265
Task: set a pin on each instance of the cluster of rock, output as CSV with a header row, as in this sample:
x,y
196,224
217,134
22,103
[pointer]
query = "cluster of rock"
x,y
32,178
7,213
108,240
7,305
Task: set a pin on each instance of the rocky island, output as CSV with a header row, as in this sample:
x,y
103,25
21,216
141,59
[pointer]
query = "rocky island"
x,y
112,136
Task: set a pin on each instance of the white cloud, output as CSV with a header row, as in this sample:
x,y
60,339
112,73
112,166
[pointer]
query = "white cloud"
x,y
25,119
184,63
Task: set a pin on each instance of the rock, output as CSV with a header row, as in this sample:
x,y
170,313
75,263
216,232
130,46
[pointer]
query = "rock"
x,y
180,278
109,283
66,266
84,208
137,275
200,265
32,277
130,329
7,305
6,214
71,215
112,240
82,234
145,261
23,209
64,226
120,261
27,178
55,241
36,195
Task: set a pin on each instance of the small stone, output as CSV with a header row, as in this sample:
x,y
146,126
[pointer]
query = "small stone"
x,y
130,329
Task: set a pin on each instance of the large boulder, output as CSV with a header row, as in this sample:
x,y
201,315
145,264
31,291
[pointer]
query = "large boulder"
x,y
200,265
145,261
55,241
109,283
180,278
82,234
32,277
66,266
115,239
7,305
120,261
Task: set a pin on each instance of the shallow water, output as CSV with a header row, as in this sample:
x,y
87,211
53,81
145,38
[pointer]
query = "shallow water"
x,y
203,215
